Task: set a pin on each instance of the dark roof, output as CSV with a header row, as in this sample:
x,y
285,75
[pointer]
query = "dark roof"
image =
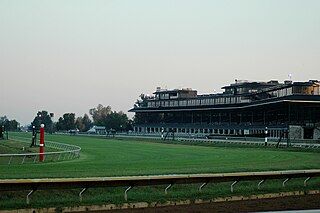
x,y
303,83
250,84
272,88
173,91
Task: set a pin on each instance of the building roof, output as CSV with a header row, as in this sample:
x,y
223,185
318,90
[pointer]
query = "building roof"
x,y
252,84
174,91
95,128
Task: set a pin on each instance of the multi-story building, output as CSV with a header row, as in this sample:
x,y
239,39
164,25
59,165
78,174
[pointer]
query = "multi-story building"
x,y
244,108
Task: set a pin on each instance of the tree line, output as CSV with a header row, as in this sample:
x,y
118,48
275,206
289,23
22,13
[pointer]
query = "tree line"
x,y
101,116
10,125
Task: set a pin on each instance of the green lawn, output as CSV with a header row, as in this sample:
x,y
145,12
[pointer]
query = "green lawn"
x,y
124,157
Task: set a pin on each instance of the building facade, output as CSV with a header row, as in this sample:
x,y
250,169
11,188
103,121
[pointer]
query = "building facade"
x,y
99,130
288,109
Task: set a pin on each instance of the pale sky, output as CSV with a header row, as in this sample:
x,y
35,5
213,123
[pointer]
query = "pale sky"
x,y
71,55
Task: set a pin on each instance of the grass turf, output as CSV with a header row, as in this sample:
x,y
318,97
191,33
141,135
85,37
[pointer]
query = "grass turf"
x,y
102,157
124,157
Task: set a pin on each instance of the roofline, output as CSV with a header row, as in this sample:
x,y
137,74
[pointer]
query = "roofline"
x,y
244,105
174,91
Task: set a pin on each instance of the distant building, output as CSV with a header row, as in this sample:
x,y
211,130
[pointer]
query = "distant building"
x,y
100,130
289,109
74,131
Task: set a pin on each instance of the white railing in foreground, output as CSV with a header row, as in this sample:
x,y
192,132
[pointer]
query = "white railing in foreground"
x,y
64,152
166,180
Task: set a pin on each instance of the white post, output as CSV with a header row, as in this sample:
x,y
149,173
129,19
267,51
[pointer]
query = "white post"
x,y
266,136
162,130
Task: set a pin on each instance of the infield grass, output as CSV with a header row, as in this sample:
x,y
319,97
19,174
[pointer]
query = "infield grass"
x,y
104,157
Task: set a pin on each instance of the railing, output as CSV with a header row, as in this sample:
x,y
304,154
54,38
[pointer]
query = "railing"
x,y
65,152
167,180
313,144
230,139
218,99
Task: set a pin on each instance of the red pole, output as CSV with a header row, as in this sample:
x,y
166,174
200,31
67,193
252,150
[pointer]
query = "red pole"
x,y
41,142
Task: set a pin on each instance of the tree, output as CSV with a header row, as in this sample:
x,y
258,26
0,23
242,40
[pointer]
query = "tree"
x,y
99,114
129,125
43,117
140,118
79,124
104,116
60,124
117,121
9,125
69,120
3,119
83,123
142,102
12,125
86,122
66,122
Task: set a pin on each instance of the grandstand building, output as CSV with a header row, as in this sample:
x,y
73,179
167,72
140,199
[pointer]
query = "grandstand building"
x,y
288,109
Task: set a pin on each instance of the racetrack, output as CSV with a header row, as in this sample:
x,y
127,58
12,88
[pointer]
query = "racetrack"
x,y
304,202
105,157
109,157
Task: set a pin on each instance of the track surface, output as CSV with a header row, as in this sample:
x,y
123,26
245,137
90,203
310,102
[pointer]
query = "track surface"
x,y
273,204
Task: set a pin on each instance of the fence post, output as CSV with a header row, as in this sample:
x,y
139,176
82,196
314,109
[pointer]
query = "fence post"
x,y
81,193
126,193
29,194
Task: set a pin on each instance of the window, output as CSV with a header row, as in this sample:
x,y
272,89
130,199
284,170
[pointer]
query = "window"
x,y
183,103
174,95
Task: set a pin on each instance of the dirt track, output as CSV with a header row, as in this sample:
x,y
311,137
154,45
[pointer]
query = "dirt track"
x,y
272,204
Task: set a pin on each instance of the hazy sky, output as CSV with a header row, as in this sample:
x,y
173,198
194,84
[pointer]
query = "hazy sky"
x,y
69,56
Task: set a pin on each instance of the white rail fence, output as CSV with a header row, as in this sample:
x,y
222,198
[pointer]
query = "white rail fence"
x,y
64,152
168,181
